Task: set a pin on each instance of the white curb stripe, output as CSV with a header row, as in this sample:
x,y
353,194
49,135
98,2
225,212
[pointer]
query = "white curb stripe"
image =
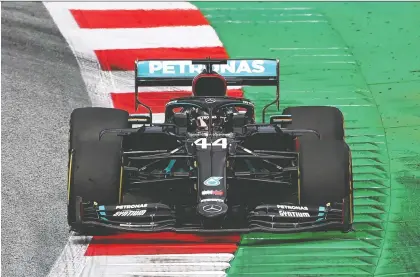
x,y
113,269
162,258
123,5
72,260
138,38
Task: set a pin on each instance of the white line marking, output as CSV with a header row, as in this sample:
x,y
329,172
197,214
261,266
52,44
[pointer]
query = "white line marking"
x,y
259,9
311,48
353,62
268,21
221,16
324,55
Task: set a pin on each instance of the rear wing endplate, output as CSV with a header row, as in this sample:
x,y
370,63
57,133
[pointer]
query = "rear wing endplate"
x,y
237,72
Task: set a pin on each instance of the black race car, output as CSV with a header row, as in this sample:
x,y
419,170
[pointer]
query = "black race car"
x,y
209,167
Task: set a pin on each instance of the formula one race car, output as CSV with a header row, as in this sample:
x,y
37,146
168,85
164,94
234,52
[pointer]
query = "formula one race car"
x,y
209,167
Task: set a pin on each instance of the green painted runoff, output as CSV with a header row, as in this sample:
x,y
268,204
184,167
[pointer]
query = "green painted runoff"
x,y
364,58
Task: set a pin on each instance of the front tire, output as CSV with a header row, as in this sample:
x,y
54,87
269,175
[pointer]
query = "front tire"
x,y
94,165
325,170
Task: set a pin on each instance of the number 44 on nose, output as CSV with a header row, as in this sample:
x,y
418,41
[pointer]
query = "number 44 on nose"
x,y
202,142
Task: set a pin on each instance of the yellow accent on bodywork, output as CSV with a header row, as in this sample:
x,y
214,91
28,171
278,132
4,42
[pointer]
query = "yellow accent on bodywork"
x,y
121,181
69,176
299,178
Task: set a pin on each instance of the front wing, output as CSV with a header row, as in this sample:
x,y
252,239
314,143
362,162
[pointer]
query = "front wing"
x,y
157,217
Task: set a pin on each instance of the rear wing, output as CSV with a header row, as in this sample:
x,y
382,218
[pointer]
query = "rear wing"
x,y
237,72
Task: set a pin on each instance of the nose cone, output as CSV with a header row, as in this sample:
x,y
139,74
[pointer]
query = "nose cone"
x,y
212,209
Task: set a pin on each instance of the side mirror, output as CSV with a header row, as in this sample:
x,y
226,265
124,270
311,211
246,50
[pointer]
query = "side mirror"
x,y
139,119
281,119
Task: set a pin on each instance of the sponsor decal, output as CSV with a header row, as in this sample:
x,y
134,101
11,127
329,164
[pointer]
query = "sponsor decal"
x,y
212,192
293,214
247,102
136,206
285,207
213,181
130,213
205,134
212,200
206,117
212,209
185,68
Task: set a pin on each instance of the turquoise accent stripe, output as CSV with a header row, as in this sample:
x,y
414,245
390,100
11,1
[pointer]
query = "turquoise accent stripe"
x,y
321,213
170,166
101,208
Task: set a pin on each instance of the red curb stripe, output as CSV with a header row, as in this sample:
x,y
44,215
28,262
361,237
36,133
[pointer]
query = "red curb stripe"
x,y
151,249
104,19
155,100
123,59
161,243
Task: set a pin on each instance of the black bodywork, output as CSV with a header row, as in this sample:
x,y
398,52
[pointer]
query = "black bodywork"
x,y
233,176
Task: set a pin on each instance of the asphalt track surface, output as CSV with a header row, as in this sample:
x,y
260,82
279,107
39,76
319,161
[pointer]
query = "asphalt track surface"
x,y
41,85
384,104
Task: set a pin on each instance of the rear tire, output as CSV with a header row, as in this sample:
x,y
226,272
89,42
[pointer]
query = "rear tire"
x,y
325,169
327,121
94,165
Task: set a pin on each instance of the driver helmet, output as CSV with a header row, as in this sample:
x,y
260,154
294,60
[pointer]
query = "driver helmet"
x,y
209,84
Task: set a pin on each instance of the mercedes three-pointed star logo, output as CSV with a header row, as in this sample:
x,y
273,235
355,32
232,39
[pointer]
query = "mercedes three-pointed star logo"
x,y
212,208
210,100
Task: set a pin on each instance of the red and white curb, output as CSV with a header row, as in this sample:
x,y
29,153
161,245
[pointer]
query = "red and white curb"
x,y
162,254
106,38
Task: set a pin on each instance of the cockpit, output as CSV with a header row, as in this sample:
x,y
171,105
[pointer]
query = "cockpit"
x,y
210,108
224,115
